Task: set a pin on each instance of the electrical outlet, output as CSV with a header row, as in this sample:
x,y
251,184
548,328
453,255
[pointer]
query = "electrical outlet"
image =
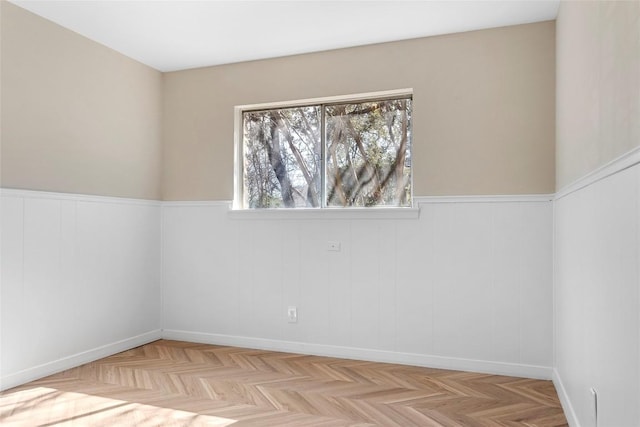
x,y
334,246
594,396
292,314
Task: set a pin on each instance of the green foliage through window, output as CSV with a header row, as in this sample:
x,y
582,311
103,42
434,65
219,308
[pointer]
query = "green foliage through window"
x,y
355,154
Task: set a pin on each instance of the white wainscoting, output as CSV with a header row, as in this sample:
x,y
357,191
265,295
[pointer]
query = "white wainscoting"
x,y
597,297
80,280
467,285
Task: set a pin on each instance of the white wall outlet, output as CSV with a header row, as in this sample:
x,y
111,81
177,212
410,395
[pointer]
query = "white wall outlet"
x,y
292,314
594,397
333,245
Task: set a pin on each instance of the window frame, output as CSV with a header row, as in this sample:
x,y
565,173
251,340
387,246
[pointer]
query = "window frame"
x,y
238,178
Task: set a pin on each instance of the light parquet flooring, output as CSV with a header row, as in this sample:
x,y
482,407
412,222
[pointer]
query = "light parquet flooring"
x,y
171,383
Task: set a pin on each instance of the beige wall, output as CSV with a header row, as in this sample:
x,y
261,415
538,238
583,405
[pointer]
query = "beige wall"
x,y
484,109
598,95
76,116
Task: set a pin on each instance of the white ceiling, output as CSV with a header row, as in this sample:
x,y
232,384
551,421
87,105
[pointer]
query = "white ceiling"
x,y
171,35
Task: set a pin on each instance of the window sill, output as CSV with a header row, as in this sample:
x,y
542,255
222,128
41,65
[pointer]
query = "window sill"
x,y
337,213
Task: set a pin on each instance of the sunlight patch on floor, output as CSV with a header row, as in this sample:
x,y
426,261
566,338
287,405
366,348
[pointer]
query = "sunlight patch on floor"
x,y
44,406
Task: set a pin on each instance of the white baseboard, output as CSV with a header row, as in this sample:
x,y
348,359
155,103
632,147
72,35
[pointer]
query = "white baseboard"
x,y
438,362
50,368
572,419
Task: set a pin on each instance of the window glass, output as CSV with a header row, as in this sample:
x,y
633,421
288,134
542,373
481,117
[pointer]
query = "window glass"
x,y
368,154
355,154
282,158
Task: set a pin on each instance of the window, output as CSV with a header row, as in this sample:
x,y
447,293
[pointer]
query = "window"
x,y
344,153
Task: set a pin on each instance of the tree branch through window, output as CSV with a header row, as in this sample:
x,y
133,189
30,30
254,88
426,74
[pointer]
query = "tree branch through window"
x,y
366,147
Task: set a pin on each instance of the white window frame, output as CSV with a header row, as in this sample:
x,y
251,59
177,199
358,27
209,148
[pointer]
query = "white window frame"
x,y
237,208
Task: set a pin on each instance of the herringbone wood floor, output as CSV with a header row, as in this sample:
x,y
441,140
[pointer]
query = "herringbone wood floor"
x,y
170,383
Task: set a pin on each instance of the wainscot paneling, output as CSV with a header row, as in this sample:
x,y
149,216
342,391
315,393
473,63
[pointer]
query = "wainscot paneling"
x,y
80,280
466,284
462,283
597,296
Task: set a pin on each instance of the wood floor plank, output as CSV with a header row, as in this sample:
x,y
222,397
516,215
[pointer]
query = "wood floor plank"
x,y
173,383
